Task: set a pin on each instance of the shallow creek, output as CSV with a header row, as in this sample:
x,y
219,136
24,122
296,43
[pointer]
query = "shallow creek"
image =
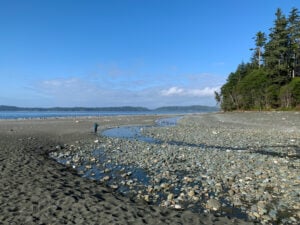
x,y
135,182
135,132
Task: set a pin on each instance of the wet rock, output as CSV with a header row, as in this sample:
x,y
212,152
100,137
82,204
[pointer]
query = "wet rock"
x,y
59,147
191,193
147,198
88,166
213,204
157,188
177,206
188,179
261,207
237,201
231,192
165,186
273,214
106,178
114,186
170,197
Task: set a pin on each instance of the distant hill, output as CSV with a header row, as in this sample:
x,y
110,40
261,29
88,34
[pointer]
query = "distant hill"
x,y
70,109
194,108
8,108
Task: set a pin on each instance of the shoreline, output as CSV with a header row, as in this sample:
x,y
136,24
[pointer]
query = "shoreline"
x,y
37,190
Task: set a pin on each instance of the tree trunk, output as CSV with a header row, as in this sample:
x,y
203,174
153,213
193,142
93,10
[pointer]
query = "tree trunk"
x,y
259,57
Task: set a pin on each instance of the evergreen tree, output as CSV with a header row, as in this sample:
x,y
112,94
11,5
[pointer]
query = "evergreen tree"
x,y
276,52
275,84
294,40
260,41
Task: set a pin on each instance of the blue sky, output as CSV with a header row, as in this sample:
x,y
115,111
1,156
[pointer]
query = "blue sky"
x,y
125,52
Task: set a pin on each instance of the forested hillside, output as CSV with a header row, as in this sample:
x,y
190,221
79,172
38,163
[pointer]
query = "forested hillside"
x,y
271,80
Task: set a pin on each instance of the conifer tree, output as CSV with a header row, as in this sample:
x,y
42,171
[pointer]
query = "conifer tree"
x,y
260,41
275,84
294,40
276,53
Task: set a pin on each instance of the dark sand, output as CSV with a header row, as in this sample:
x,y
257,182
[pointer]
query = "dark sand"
x,y
35,189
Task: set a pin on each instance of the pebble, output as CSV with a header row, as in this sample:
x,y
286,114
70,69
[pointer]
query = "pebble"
x,y
114,186
191,193
106,178
147,198
164,186
170,197
177,206
213,204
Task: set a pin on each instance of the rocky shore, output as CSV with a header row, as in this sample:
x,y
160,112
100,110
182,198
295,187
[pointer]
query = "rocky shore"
x,y
35,189
239,165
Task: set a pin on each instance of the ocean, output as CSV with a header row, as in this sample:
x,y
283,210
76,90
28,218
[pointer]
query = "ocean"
x,y
61,114
75,114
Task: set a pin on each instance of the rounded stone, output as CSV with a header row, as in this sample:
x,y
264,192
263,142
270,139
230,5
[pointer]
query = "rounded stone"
x,y
213,204
170,197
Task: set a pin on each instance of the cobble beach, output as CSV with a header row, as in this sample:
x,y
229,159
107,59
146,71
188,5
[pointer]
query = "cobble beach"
x,y
232,168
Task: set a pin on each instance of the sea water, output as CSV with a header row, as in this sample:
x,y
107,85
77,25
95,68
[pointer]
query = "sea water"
x,y
62,114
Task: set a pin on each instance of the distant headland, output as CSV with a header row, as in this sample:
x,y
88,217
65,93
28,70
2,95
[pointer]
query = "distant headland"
x,y
193,108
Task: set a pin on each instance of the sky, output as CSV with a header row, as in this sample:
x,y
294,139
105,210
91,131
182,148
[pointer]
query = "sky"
x,y
104,53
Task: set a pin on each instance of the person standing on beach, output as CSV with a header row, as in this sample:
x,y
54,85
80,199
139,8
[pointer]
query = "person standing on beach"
x,y
95,127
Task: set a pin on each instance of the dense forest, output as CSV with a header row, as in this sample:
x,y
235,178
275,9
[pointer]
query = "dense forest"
x,y
271,80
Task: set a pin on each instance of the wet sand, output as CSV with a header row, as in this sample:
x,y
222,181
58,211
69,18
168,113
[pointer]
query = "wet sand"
x,y
35,189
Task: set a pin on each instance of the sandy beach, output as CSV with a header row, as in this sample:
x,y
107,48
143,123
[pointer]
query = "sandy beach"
x,y
35,189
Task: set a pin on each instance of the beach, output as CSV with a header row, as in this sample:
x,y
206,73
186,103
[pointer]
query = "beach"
x,y
242,158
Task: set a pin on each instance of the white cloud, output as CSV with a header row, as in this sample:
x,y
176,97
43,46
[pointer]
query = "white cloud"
x,y
207,91
112,87
172,91
85,92
176,91
61,83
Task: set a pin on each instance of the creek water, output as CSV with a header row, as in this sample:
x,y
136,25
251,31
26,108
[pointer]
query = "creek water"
x,y
135,132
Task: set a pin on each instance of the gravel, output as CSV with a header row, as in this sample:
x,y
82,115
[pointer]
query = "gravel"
x,y
244,165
